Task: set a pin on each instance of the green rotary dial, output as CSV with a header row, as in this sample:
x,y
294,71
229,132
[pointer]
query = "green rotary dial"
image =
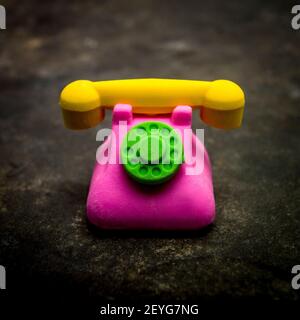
x,y
152,152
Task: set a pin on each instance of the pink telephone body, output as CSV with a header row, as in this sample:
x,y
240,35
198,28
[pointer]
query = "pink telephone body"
x,y
152,172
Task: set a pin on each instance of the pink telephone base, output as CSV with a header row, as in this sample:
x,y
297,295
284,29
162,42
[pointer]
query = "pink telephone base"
x,y
116,201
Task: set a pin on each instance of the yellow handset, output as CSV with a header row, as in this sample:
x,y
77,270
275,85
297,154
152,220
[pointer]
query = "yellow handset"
x,y
221,102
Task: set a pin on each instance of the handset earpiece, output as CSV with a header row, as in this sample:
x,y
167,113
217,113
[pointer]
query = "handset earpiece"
x,y
81,105
223,105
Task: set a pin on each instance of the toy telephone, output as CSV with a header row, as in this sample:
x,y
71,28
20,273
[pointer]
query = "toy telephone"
x,y
143,191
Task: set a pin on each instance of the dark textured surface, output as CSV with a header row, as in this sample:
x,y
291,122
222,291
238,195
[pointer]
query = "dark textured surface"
x,y
45,242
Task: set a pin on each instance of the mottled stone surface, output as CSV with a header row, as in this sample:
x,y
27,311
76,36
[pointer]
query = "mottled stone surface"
x,y
45,242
